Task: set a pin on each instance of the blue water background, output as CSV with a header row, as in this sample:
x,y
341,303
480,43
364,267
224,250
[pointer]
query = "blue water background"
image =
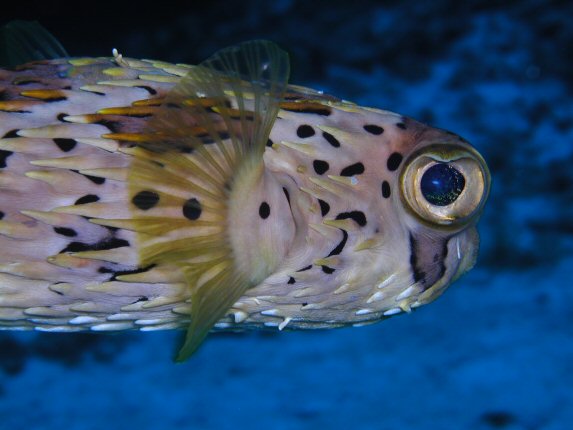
x,y
495,352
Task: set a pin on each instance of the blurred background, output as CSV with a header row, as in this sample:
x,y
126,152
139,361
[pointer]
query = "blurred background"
x,y
495,352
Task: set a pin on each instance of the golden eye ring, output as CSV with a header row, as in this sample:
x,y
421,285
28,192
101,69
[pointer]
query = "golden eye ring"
x,y
445,184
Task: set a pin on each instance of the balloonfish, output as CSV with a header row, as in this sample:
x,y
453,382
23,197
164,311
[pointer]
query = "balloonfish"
x,y
139,194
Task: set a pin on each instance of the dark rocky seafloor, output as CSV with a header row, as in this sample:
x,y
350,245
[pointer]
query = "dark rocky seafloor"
x,y
495,352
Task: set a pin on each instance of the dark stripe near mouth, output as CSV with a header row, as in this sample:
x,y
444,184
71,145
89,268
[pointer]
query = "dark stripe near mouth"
x,y
427,259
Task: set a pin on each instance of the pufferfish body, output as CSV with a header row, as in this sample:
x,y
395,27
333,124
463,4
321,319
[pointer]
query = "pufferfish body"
x,y
138,194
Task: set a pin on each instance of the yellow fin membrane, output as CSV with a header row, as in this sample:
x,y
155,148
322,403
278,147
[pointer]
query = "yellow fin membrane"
x,y
211,129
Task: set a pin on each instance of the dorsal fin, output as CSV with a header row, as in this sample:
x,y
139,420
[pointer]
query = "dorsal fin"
x,y
24,41
209,134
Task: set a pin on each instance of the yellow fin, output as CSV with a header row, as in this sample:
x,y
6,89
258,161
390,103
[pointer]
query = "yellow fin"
x,y
212,128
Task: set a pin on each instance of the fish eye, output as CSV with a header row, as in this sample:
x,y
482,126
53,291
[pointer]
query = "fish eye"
x,y
445,184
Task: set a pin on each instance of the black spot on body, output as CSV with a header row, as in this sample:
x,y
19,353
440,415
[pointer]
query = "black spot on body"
x,y
64,231
327,270
88,198
145,200
192,209
11,134
401,125
357,216
385,189
65,144
320,166
331,139
374,129
112,126
340,246
287,195
1,215
3,156
61,117
305,268
353,169
394,161
291,280
147,88
55,99
103,245
117,273
324,207
269,143
264,210
95,179
304,131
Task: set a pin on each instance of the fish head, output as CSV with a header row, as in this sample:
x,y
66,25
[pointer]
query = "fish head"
x,y
442,185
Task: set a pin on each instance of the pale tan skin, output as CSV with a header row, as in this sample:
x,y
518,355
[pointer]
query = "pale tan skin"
x,y
375,273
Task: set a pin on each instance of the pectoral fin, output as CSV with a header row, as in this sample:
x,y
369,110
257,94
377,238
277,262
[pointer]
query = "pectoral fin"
x,y
211,128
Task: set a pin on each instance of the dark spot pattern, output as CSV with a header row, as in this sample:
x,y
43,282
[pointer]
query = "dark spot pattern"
x,y
357,216
3,156
304,269
324,207
304,131
327,270
192,209
269,143
385,189
341,245
88,198
394,161
61,117
427,259
287,195
264,210
145,200
147,88
11,134
401,125
374,129
117,273
291,280
353,169
103,245
320,166
2,215
95,179
112,126
331,139
65,144
419,275
64,231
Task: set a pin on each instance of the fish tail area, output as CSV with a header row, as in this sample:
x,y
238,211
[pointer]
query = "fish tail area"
x,y
205,141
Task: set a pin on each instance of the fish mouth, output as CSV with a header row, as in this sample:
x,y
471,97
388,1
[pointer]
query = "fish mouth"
x,y
458,255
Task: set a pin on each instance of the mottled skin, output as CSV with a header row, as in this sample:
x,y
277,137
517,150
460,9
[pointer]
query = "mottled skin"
x,y
346,252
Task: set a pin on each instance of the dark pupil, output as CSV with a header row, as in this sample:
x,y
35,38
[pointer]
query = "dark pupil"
x,y
442,184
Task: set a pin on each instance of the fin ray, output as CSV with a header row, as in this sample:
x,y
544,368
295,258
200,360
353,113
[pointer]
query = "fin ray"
x,y
24,41
213,125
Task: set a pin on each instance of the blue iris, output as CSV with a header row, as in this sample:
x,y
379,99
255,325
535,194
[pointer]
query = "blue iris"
x,y
442,184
